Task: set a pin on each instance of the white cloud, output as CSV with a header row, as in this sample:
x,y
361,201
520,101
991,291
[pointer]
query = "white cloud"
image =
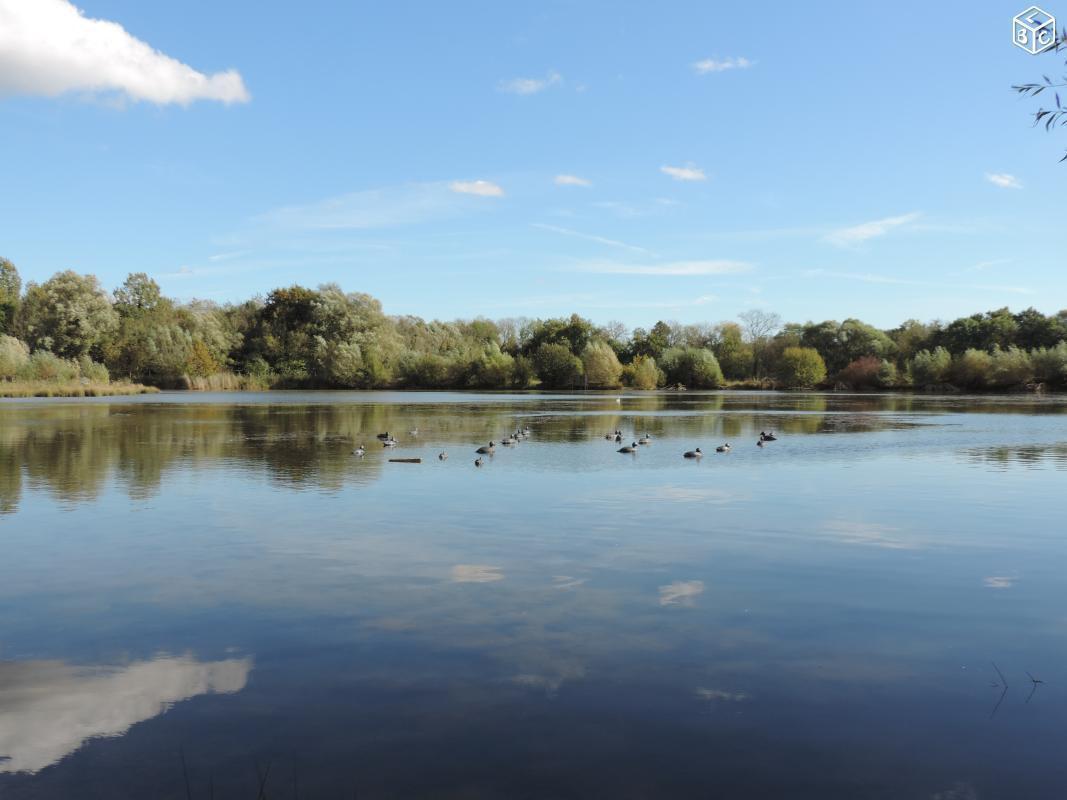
x,y
621,210
591,237
982,266
680,593
228,256
571,180
530,85
48,709
476,573
857,234
689,172
720,64
1003,180
679,268
48,47
867,277
480,188
368,209
598,302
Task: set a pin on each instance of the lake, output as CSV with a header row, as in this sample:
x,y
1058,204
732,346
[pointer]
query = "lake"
x,y
212,591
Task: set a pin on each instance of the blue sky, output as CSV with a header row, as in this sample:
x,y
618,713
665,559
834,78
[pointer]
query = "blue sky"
x,y
821,160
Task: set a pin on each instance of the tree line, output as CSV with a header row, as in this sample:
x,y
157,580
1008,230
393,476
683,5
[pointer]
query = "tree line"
x,y
70,327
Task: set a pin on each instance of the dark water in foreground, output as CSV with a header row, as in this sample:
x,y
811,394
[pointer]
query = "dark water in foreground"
x,y
217,578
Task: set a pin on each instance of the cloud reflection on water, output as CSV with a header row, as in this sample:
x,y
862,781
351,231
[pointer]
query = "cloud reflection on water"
x,y
48,709
999,581
680,593
476,573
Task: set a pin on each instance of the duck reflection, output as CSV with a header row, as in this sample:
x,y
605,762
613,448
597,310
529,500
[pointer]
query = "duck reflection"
x,y
48,709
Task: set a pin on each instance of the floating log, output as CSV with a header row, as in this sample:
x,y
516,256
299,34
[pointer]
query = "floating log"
x,y
405,460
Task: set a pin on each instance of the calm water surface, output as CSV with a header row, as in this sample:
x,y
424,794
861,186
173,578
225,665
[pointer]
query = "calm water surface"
x,y
217,579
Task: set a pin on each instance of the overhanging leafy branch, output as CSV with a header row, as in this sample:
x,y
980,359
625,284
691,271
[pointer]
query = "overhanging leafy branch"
x,y
1051,117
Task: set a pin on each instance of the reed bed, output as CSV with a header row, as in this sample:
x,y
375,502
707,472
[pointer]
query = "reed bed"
x,y
71,389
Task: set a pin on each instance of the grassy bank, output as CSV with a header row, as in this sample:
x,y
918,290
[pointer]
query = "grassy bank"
x,y
71,389
223,382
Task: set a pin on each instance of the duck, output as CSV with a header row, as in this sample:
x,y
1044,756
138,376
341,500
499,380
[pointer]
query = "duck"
x,y
630,448
442,456
618,437
478,461
359,451
698,453
646,439
767,437
489,448
526,430
390,442
508,441
384,436
414,431
609,435
723,448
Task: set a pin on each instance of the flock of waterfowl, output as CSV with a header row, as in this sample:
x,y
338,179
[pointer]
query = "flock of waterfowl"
x,y
520,434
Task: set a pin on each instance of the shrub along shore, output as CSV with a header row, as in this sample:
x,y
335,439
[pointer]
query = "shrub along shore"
x,y
68,335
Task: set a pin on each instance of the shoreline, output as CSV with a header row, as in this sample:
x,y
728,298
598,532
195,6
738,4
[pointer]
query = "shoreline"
x,y
43,390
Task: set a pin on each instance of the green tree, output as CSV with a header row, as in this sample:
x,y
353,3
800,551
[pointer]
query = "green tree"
x,y
931,367
911,337
980,332
69,315
973,369
801,367
693,367
492,369
1011,367
14,355
151,344
139,295
651,344
731,351
840,344
575,332
522,372
642,373
200,363
1050,364
1034,329
601,366
557,367
759,326
10,291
